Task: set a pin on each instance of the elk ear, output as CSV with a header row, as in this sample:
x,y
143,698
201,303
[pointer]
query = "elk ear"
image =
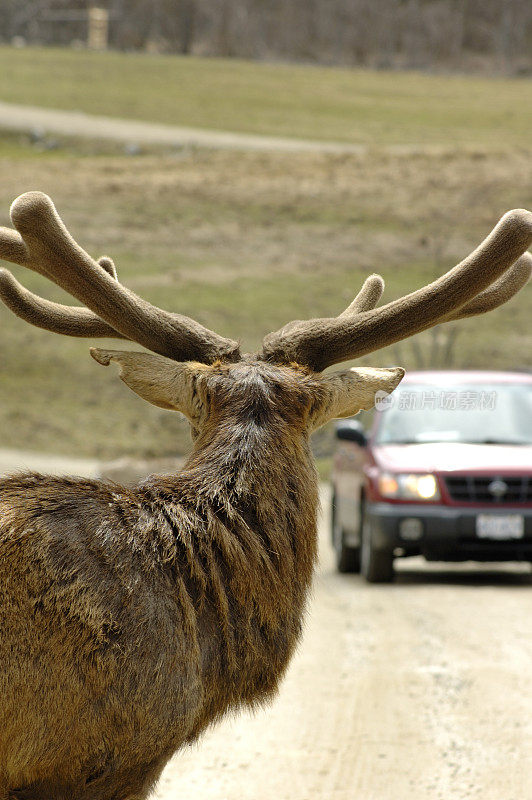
x,y
165,383
349,391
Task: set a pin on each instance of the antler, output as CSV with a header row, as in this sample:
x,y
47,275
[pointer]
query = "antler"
x,y
55,317
492,274
43,244
484,280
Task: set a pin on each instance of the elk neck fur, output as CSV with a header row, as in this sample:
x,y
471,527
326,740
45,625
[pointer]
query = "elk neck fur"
x,y
156,609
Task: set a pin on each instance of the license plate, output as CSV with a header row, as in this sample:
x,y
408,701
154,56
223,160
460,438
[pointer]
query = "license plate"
x,y
500,526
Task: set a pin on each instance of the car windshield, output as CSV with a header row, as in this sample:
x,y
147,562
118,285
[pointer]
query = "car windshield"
x,y
499,413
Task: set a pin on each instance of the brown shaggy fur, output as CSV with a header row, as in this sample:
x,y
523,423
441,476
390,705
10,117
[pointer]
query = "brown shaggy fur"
x,y
131,619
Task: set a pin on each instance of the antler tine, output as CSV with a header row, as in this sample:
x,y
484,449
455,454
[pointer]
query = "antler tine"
x,y
368,296
48,248
55,317
319,343
12,247
109,266
499,292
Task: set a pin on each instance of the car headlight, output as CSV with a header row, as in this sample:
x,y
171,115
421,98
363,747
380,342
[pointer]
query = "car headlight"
x,y
408,486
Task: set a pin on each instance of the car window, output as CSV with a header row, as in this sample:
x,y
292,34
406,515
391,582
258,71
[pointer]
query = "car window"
x,y
499,413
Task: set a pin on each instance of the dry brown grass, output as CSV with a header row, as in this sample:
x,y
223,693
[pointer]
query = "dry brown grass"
x,y
244,242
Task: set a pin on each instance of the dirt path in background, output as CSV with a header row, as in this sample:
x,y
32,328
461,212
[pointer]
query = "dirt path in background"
x,y
416,690
12,461
78,124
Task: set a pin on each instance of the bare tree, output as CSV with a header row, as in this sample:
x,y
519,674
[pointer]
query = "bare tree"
x,y
389,33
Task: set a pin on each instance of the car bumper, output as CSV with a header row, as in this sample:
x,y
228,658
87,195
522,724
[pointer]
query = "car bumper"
x,y
446,533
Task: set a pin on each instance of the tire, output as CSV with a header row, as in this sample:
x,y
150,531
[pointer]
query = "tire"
x,y
376,565
347,558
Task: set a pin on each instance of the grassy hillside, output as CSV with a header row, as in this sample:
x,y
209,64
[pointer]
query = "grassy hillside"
x,y
375,108
243,243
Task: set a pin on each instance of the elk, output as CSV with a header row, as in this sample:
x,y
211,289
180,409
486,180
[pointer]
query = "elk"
x,y
133,617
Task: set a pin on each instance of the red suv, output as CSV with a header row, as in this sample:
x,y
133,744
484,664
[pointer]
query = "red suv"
x,y
446,472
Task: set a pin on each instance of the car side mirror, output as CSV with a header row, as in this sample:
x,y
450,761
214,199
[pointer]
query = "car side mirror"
x,y
350,430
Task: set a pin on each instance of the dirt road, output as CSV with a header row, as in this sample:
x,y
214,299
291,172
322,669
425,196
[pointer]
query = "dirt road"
x,y
50,121
76,123
415,691
12,461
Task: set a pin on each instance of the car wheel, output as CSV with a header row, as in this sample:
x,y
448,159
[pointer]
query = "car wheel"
x,y
376,565
347,558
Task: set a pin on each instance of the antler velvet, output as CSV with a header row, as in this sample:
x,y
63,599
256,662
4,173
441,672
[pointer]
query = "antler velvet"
x,y
484,280
44,245
488,277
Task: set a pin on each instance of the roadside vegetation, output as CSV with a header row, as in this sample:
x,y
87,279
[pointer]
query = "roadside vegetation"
x,y
244,242
478,35
346,105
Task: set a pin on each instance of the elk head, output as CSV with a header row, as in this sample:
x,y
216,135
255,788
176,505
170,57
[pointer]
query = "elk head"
x,y
194,370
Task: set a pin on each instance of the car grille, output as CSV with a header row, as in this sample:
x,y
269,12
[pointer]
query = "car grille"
x,y
490,489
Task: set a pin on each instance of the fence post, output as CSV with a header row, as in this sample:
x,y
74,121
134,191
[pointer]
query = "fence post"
x,y
98,35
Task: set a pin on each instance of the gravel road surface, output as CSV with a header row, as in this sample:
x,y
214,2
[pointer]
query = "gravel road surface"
x,y
76,123
415,691
20,460
48,121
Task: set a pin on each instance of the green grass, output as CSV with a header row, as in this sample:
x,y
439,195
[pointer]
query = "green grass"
x,y
243,243
375,108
